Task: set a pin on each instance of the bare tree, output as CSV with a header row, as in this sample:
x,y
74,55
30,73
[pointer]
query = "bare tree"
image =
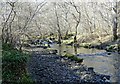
x,y
66,13
18,20
58,24
76,18
115,20
6,29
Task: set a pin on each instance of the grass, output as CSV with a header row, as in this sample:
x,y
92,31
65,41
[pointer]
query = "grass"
x,y
14,66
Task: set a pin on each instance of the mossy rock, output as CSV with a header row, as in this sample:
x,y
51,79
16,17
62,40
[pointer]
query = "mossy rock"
x,y
73,58
110,47
113,48
67,36
69,55
78,59
85,45
68,41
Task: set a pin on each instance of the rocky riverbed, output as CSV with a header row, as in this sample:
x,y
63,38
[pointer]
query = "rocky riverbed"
x,y
54,69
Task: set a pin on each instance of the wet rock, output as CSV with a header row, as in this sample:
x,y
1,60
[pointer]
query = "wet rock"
x,y
70,44
93,78
109,53
90,69
53,51
64,51
76,45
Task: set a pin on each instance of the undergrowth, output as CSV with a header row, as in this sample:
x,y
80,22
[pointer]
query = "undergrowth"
x,y
14,66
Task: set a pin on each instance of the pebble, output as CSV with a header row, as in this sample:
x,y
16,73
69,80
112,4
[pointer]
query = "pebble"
x,y
46,69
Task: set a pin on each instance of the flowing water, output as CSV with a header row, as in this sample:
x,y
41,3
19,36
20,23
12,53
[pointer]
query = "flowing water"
x,y
99,59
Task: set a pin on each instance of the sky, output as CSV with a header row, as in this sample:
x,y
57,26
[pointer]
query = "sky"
x,y
61,0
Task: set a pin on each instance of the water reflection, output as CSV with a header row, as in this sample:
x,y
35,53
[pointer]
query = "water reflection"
x,y
60,49
75,50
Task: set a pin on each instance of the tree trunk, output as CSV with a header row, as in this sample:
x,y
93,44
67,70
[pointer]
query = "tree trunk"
x,y
115,30
59,37
115,23
58,25
75,37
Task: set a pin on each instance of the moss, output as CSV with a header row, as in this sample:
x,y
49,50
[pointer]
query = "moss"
x,y
85,45
73,58
68,41
69,55
77,59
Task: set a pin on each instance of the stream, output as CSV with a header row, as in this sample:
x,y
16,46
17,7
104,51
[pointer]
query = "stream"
x,y
99,59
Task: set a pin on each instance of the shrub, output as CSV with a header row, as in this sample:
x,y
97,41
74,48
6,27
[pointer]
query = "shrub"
x,y
26,79
13,64
7,46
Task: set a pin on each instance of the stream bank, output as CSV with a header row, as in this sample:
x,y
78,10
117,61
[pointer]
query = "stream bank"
x,y
51,68
103,62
